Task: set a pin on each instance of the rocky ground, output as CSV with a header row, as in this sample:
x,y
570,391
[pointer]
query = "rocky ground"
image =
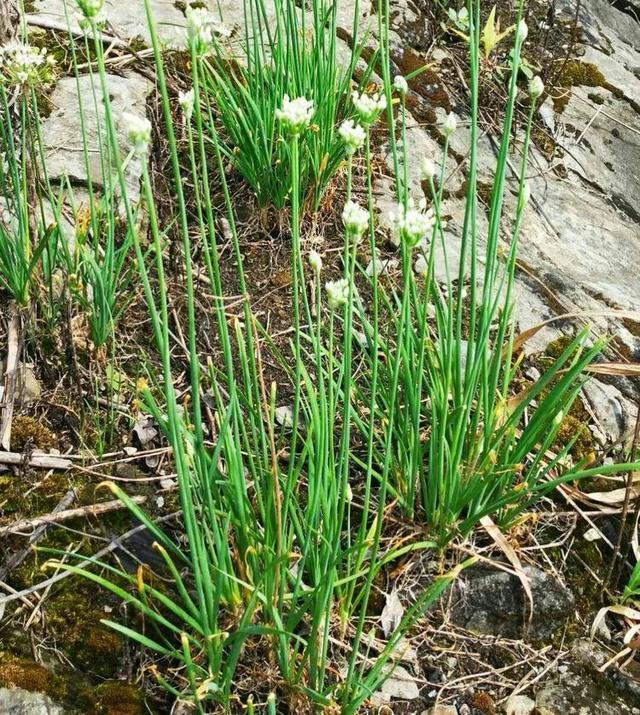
x,y
578,263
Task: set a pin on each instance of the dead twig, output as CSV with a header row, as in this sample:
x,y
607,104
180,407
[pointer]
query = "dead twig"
x,y
55,518
10,372
37,461
14,595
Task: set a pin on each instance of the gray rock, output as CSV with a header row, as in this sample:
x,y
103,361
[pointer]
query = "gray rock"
x,y
614,414
127,19
493,602
61,130
520,705
602,145
587,656
574,694
16,701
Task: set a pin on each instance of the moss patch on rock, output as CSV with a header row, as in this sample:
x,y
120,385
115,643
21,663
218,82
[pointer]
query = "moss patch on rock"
x,y
73,616
118,698
575,73
29,675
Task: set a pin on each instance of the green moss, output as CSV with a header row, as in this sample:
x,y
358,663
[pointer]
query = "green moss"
x,y
28,675
73,617
577,421
575,73
27,430
118,698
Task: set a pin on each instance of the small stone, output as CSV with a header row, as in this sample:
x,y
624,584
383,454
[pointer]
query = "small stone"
x,y
284,416
520,705
592,534
400,684
533,374
441,710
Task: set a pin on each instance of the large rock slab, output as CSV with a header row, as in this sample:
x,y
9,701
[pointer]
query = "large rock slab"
x,y
127,20
62,129
600,136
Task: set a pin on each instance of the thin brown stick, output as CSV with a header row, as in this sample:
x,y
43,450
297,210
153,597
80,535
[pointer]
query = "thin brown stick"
x,y
90,510
10,372
14,595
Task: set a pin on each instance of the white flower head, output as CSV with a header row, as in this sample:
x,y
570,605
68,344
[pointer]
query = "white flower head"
x,y
368,106
525,196
400,84
22,64
412,225
315,261
536,87
523,31
352,134
138,131
295,114
202,27
348,493
450,124
428,168
90,8
356,219
186,100
337,293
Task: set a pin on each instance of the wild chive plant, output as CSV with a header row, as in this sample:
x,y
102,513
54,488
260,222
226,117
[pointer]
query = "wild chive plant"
x,y
102,243
24,70
464,444
293,53
269,567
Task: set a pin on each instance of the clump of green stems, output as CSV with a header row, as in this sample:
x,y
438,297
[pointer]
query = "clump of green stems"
x,y
23,234
284,523
270,557
102,244
37,245
290,51
464,445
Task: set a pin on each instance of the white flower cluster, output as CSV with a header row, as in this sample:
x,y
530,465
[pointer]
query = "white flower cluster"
x,y
315,261
522,31
412,225
368,106
352,134
450,124
295,114
186,100
401,85
202,28
138,131
90,8
356,219
337,293
536,87
428,169
22,64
